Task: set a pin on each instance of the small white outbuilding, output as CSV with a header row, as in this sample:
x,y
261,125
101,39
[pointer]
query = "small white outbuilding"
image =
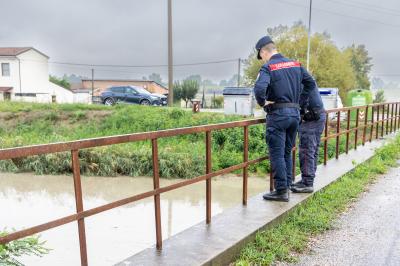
x,y
239,101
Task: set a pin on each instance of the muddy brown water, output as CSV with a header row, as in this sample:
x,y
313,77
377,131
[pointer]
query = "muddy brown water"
x,y
27,200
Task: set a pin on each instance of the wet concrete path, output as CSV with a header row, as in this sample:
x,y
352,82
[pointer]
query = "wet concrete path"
x,y
368,234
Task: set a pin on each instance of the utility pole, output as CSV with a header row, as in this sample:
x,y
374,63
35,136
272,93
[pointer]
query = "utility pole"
x,y
309,37
238,80
170,59
92,83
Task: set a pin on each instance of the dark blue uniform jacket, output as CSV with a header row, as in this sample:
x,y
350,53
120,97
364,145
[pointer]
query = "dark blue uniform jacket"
x,y
282,80
312,101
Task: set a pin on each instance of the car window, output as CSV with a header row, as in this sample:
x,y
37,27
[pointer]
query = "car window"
x,y
118,89
142,91
131,90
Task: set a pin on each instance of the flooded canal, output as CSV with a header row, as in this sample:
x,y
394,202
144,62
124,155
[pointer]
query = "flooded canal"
x,y
27,200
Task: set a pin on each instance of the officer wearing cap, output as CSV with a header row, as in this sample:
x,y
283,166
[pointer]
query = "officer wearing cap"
x,y
311,127
277,89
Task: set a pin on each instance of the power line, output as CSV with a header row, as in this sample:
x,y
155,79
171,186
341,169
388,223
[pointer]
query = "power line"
x,y
386,75
376,6
143,66
342,15
374,9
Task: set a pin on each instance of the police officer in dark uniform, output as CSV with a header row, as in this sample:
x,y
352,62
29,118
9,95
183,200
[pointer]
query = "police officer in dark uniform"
x,y
311,127
277,89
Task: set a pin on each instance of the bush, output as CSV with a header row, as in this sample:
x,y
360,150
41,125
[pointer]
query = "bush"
x,y
379,96
27,246
217,102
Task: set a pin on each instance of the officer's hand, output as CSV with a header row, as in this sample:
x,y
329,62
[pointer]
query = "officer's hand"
x,y
268,103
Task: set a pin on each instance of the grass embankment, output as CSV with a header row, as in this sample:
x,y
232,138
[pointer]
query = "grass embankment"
x,y
290,237
181,156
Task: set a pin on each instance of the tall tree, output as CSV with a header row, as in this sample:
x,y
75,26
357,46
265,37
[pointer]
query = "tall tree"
x,y
63,82
328,64
156,77
196,78
377,83
361,63
189,89
208,82
177,91
380,96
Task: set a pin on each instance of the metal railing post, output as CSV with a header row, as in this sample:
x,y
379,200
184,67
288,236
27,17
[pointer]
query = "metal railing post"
x,y
383,119
157,201
337,136
377,121
245,159
365,125
294,162
372,123
356,129
348,131
395,118
79,206
391,118
208,181
387,119
326,139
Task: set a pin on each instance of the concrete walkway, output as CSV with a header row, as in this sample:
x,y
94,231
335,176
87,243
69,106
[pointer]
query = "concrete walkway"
x,y
221,241
368,234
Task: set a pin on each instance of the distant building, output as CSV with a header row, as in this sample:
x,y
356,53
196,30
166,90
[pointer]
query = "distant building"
x,y
24,76
99,85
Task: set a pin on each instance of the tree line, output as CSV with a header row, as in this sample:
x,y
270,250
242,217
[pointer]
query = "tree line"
x,y
344,68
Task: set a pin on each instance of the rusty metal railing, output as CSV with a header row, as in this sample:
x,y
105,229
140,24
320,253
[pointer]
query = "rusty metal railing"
x,y
75,146
372,117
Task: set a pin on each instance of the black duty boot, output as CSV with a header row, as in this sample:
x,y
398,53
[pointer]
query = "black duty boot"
x,y
277,195
302,188
298,183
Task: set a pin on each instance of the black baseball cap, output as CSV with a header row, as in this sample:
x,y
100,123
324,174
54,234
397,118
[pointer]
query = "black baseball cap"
x,y
261,43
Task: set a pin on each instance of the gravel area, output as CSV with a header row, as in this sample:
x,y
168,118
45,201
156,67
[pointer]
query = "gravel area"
x,y
367,234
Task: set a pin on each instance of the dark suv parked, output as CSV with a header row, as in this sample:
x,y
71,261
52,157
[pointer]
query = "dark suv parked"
x,y
133,95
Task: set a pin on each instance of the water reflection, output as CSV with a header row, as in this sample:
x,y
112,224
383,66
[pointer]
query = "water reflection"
x,y
27,200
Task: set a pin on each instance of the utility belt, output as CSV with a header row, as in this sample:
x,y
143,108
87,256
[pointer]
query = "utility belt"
x,y
312,114
272,107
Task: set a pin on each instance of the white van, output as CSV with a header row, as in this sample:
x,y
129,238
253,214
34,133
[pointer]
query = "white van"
x,y
331,99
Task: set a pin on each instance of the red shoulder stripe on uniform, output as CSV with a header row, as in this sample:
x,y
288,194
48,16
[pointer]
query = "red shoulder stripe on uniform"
x,y
283,65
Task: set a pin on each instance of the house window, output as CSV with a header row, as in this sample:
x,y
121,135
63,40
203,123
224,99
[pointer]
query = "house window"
x,y
5,69
25,94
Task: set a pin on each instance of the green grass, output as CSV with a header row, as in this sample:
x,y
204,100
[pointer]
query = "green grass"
x,y
15,107
283,241
181,156
10,252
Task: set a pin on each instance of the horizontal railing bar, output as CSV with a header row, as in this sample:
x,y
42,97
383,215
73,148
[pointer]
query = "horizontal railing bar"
x,y
334,135
119,203
335,110
25,151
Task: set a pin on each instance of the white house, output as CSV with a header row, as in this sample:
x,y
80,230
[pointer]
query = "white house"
x,y
24,76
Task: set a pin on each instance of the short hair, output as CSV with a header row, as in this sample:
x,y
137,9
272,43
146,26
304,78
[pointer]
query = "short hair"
x,y
270,47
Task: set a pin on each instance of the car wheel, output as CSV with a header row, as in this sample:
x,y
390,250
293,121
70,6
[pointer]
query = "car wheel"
x,y
109,101
145,102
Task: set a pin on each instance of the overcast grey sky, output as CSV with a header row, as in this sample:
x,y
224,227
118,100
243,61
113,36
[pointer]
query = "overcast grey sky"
x,y
135,32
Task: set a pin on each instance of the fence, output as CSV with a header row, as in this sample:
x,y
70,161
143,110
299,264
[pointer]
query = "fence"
x,y
376,117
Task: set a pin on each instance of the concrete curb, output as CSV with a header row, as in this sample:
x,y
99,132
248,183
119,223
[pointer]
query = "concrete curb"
x,y
220,242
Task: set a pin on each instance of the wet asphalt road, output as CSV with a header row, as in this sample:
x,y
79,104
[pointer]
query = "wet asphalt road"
x,y
368,234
